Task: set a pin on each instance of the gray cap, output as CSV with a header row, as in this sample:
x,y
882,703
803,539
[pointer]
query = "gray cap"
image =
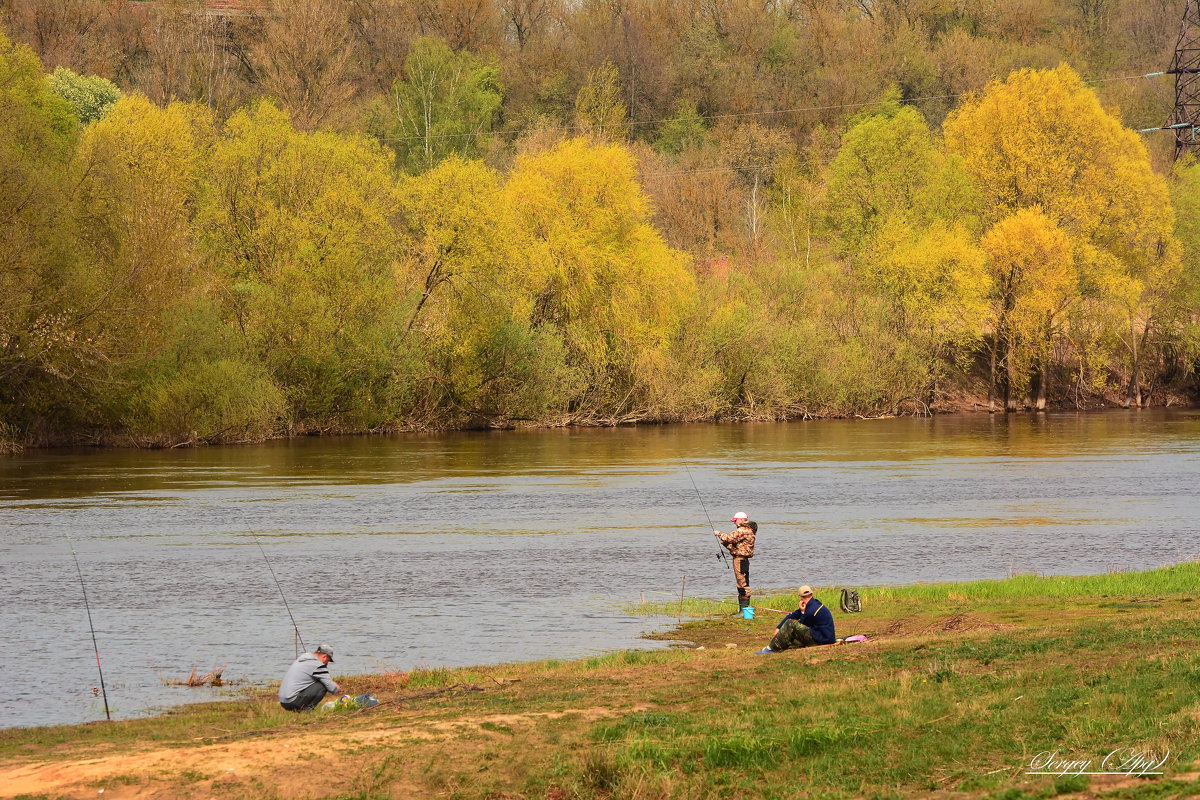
x,y
325,649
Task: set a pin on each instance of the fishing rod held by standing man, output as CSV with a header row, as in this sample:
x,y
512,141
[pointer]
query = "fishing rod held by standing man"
x,y
720,550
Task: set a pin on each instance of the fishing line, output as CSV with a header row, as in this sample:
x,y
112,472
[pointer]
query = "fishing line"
x,y
720,548
279,586
91,627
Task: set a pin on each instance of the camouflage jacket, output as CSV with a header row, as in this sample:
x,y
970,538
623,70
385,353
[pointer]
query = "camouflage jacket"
x,y
739,541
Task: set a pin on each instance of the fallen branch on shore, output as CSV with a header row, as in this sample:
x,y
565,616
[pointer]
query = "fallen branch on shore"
x,y
465,687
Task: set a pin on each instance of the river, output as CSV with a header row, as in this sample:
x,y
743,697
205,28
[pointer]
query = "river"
x,y
475,548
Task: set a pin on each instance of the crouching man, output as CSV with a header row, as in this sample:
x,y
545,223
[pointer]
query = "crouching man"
x,y
307,680
810,624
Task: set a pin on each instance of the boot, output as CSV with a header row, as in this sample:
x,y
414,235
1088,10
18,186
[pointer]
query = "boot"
x,y
743,602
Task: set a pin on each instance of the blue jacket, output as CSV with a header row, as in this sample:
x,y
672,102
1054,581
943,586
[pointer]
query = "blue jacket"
x,y
817,617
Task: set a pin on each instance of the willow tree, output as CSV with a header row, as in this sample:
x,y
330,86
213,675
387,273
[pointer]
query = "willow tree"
x,y
903,213
599,109
602,276
1036,281
469,299
890,164
1041,139
138,166
174,372
300,226
41,302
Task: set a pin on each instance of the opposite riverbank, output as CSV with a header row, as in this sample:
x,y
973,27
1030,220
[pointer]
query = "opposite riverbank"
x,y
959,403
963,690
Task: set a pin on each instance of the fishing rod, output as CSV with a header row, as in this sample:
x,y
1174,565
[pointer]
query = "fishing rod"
x,y
279,586
720,548
91,627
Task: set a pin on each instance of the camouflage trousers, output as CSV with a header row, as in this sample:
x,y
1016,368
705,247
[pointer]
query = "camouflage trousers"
x,y
741,574
792,634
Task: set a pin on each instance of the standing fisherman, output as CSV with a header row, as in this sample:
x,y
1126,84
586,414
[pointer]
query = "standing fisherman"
x,y
740,544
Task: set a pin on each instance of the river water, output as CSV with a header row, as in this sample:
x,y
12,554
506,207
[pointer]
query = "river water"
x,y
476,548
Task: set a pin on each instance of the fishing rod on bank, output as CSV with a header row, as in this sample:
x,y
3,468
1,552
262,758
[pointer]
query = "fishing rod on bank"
x,y
279,586
91,627
720,548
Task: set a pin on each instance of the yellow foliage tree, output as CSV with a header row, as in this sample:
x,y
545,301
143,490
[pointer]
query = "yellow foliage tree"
x,y
1041,139
468,287
599,110
889,163
601,274
177,376
43,356
301,227
140,167
1035,280
904,214
938,282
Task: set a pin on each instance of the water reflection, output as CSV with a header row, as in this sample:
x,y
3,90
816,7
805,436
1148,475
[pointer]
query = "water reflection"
x,y
485,547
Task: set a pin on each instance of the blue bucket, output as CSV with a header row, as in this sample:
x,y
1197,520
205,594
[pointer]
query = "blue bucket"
x,y
748,612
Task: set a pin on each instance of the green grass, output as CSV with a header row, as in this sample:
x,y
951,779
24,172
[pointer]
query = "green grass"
x,y
1171,581
931,706
631,658
924,717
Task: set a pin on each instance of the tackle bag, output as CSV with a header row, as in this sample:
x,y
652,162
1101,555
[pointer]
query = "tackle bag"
x,y
850,603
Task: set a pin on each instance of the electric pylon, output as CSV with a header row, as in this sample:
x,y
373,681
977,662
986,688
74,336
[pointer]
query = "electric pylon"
x,y
1185,66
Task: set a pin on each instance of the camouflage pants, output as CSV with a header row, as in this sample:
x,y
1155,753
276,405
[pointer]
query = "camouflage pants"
x,y
741,573
792,634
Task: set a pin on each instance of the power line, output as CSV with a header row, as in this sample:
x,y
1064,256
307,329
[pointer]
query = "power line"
x,y
740,115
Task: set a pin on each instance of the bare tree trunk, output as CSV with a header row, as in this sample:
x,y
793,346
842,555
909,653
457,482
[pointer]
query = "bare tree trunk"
x,y
1039,401
753,209
992,376
1010,402
1133,391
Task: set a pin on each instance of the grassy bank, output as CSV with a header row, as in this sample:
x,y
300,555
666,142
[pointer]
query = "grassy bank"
x,y
1177,579
960,689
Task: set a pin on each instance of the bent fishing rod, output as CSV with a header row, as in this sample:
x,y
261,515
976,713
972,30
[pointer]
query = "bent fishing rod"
x,y
91,627
279,586
720,547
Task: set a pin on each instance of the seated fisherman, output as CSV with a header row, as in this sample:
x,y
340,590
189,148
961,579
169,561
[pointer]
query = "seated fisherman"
x,y
307,680
810,624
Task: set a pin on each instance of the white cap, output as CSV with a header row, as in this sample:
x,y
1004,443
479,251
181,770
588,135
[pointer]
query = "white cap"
x,y
739,515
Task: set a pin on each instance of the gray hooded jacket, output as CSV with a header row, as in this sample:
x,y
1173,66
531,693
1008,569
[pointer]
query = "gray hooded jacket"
x,y
303,673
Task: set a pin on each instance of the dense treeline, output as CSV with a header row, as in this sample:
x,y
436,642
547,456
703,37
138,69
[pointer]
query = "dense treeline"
x,y
369,215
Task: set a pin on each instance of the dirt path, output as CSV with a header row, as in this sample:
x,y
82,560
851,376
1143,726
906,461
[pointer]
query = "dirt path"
x,y
289,760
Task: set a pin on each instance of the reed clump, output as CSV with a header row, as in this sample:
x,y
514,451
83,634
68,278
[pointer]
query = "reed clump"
x,y
211,678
